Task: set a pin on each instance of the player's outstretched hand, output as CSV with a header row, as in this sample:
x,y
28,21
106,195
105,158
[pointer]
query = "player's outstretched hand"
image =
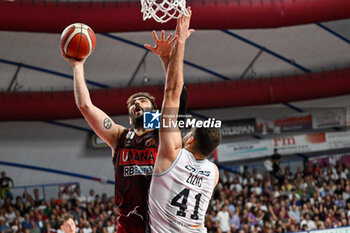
x,y
74,62
183,25
163,46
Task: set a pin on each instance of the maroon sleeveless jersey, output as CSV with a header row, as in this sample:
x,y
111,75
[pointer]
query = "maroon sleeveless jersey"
x,y
133,161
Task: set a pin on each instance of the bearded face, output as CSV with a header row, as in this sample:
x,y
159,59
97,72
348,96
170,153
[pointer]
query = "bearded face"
x,y
137,116
136,110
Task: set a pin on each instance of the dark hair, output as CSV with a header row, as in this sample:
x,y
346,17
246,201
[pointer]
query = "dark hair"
x,y
65,218
142,94
304,226
206,139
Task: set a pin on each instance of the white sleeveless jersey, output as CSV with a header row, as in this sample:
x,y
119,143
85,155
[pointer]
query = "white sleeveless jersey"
x,y
179,197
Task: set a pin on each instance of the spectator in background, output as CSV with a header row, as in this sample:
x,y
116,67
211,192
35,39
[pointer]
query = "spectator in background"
x,y
318,222
10,214
37,197
257,175
5,185
15,226
339,201
26,222
223,220
247,179
293,194
256,187
346,193
304,227
286,187
66,194
40,222
109,227
348,208
268,164
309,222
80,197
19,216
276,191
280,229
104,198
308,168
227,177
294,213
48,228
91,196
235,221
252,216
305,209
276,161
236,185
344,222
34,228
279,177
67,224
230,205
3,226
210,221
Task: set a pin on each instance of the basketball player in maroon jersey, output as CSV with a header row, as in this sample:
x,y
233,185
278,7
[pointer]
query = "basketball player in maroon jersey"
x,y
134,150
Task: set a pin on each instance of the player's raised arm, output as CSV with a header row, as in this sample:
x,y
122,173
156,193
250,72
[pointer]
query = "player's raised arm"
x,y
170,138
163,48
101,123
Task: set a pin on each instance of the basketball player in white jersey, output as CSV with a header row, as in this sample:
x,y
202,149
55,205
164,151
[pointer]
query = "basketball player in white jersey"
x,y
183,179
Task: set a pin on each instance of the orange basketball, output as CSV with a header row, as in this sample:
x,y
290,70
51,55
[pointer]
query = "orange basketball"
x,y
78,41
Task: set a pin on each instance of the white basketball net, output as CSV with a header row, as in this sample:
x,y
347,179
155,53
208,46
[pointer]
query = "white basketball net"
x,y
163,10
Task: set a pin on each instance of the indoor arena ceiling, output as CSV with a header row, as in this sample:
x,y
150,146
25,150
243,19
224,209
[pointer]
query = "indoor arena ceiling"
x,y
31,61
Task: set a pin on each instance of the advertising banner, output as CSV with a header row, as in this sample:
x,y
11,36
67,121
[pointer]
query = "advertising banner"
x,y
284,125
244,150
292,144
300,143
238,127
338,140
331,117
333,230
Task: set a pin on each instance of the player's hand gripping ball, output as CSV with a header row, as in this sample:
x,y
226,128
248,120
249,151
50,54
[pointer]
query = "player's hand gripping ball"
x,y
78,41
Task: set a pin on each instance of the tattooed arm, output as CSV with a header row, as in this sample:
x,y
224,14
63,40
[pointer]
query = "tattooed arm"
x,y
101,123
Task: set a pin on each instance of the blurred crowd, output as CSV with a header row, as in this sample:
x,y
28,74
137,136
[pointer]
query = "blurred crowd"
x,y
315,196
31,213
